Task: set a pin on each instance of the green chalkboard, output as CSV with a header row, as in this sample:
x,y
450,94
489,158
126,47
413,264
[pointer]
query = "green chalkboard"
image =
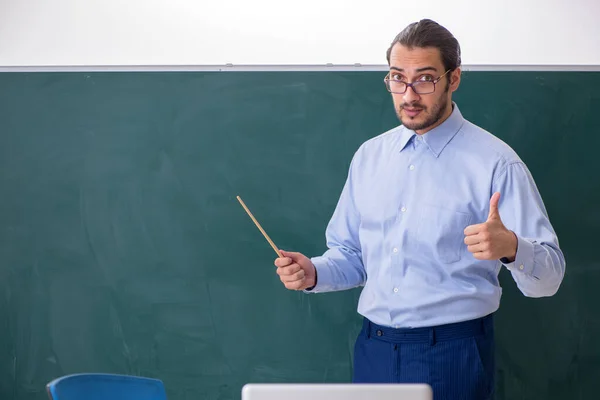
x,y
123,248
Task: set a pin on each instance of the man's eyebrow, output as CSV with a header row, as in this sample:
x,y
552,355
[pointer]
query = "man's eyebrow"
x,y
422,69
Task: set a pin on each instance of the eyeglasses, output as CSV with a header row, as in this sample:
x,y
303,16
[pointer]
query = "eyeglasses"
x,y
419,87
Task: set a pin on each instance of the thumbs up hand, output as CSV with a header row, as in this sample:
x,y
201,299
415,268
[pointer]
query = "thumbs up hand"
x,y
491,240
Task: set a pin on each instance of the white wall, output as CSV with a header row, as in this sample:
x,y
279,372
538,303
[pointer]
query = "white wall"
x,y
200,32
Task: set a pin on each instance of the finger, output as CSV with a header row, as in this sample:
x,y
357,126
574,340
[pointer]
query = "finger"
x,y
282,262
482,255
296,285
477,248
473,229
494,213
288,270
471,240
298,276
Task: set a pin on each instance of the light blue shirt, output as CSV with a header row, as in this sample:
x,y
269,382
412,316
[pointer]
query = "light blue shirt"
x,y
398,228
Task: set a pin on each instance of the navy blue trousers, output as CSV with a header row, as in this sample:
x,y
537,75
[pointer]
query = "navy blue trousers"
x,y
456,360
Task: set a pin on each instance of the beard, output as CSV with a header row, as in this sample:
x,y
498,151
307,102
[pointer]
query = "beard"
x,y
426,117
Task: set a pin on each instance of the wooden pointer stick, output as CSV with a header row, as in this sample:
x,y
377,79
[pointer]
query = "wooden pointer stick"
x,y
260,227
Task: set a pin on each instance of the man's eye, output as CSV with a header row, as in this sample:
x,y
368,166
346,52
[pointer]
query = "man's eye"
x,y
426,78
396,77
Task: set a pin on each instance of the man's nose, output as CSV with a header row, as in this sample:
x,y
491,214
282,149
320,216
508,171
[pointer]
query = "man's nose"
x,y
410,96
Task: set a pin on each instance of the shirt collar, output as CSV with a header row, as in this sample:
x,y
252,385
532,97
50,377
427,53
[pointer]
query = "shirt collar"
x,y
437,138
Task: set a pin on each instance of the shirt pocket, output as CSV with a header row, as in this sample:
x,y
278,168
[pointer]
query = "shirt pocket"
x,y
440,232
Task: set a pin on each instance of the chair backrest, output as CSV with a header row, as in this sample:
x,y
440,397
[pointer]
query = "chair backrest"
x,y
96,386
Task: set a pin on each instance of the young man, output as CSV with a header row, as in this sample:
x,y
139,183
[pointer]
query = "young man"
x,y
429,214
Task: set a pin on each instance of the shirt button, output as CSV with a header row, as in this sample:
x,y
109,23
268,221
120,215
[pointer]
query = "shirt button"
x,y
395,290
403,209
521,267
379,332
395,250
411,167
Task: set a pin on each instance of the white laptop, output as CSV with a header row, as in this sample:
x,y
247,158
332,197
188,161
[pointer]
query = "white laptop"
x,y
328,391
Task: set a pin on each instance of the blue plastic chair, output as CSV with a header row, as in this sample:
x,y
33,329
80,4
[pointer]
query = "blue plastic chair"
x,y
97,386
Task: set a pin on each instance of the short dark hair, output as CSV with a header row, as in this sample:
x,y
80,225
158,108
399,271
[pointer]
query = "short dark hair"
x,y
428,33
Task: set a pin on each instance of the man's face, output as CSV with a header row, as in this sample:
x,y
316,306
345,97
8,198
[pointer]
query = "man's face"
x,y
422,112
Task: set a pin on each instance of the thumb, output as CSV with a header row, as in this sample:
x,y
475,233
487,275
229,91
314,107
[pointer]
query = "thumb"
x,y
494,213
293,255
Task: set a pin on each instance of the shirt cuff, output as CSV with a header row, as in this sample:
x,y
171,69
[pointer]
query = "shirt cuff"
x,y
324,278
524,259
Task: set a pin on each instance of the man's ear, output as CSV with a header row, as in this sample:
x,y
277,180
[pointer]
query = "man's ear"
x,y
455,79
